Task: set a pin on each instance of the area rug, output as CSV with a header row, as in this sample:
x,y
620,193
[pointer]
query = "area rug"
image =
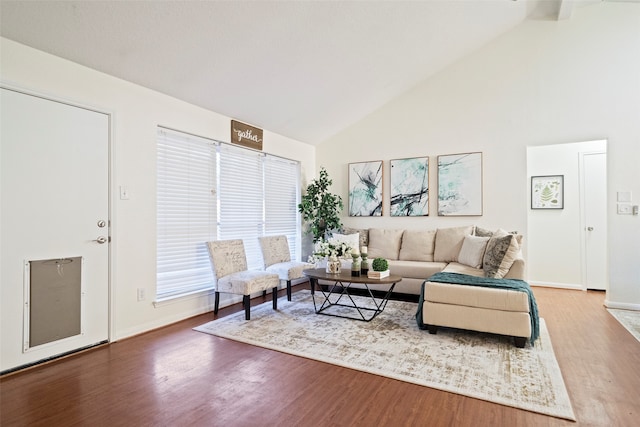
x,y
483,366
630,319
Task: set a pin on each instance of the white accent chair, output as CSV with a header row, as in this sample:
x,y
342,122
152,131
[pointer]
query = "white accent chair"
x,y
277,259
229,264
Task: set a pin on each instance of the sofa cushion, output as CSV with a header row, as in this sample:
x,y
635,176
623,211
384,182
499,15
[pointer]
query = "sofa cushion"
x,y
449,242
472,251
384,243
456,267
415,269
517,268
417,245
502,250
515,272
476,296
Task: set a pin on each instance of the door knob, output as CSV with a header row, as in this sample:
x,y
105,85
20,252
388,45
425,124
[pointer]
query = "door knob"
x,y
589,228
101,240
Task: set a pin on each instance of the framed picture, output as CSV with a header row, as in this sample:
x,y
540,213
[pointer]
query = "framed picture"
x,y
410,187
365,189
547,192
460,184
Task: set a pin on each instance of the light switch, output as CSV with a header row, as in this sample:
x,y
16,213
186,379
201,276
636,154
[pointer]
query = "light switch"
x,y
624,196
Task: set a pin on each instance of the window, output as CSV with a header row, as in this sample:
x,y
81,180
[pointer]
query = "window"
x,y
282,196
186,212
209,190
242,200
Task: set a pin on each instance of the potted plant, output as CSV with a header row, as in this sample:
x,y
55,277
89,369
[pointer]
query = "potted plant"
x,y
380,268
320,208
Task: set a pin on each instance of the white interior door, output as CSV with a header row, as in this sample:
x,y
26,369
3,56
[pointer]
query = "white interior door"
x,y
54,228
595,219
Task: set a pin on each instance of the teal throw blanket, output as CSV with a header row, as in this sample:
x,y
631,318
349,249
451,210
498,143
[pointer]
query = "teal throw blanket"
x,y
487,282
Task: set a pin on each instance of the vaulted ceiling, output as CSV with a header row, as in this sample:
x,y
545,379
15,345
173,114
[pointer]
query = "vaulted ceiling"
x,y
303,69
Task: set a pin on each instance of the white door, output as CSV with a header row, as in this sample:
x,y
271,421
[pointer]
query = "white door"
x,y
594,178
55,214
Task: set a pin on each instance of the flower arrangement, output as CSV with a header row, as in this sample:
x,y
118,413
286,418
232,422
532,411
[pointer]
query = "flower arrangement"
x,y
331,249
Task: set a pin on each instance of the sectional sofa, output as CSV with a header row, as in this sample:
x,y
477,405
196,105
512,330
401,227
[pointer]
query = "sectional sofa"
x,y
417,255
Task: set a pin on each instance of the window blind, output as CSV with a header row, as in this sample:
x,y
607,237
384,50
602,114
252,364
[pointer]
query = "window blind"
x,y
186,212
282,196
241,200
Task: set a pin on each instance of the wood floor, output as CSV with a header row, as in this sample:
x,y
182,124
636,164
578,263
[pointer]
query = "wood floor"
x,y
177,377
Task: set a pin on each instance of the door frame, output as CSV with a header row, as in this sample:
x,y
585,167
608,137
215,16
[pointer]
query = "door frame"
x,y
111,179
583,220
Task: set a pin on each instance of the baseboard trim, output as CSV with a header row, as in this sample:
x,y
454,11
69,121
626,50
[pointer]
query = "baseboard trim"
x,y
621,305
556,285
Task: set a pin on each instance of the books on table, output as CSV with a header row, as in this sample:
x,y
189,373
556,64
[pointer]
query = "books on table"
x,y
377,274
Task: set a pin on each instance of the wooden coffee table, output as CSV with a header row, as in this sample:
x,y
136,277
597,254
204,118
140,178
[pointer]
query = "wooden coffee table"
x,y
338,294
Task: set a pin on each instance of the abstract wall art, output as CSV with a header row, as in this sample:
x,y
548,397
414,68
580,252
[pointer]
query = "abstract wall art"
x,y
460,184
547,192
365,189
410,187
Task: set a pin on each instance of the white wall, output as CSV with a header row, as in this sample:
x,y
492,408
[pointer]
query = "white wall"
x,y
555,236
544,82
137,112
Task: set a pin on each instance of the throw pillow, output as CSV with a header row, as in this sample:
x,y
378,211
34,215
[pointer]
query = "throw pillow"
x,y
363,232
483,232
449,242
353,240
518,237
417,245
502,250
384,243
472,251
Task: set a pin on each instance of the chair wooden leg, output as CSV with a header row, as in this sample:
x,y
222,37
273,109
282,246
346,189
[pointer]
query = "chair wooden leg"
x,y
288,290
246,301
264,293
216,302
275,298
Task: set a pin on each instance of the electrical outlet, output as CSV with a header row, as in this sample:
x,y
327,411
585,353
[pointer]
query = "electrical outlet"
x,y
624,208
124,192
141,294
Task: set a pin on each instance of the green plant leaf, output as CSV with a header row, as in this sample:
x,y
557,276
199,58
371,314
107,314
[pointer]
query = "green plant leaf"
x,y
380,264
319,207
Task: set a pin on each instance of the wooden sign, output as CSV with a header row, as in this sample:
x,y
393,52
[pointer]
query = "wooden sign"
x,y
245,135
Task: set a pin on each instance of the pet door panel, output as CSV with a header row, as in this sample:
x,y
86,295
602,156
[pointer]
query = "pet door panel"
x,y
54,299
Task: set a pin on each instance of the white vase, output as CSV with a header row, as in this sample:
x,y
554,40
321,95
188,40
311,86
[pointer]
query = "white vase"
x,y
334,266
321,263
